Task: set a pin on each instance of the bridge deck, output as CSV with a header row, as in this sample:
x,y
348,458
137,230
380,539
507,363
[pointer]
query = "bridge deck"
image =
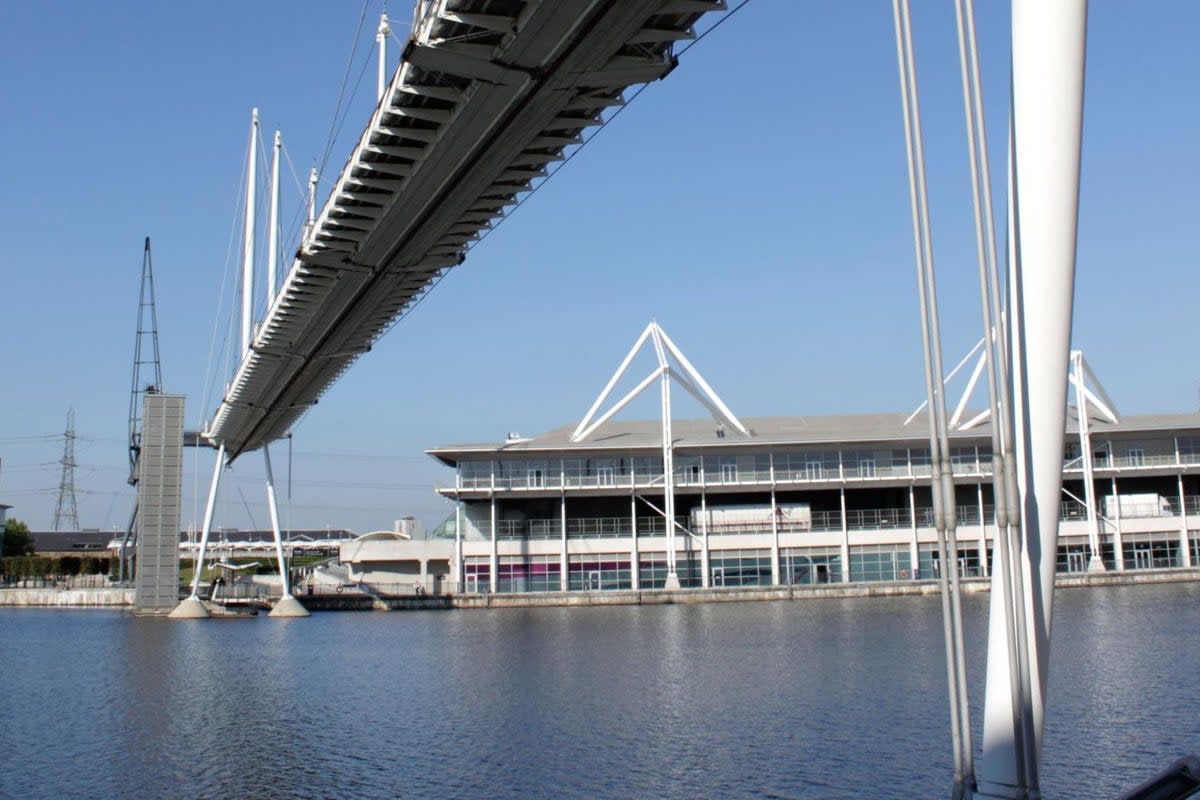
x,y
489,93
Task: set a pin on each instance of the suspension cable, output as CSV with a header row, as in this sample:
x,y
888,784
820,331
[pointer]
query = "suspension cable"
x,y
942,477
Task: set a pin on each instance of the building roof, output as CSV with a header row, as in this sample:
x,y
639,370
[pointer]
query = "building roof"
x,y
778,431
69,541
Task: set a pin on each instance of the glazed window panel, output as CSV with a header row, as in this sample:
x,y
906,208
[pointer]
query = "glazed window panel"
x,y
598,572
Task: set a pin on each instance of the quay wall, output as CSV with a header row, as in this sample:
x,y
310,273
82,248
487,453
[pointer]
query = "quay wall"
x,y
67,598
750,593
123,597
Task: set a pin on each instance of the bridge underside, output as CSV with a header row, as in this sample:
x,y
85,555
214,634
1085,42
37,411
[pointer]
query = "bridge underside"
x,y
489,93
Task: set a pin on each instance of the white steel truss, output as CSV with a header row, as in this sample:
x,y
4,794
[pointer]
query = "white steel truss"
x,y
1089,393
693,382
1086,399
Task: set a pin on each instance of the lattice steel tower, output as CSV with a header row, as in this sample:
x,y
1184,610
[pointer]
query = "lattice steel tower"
x,y
151,383
66,511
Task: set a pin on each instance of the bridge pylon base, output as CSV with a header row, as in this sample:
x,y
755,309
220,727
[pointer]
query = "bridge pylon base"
x,y
289,607
190,608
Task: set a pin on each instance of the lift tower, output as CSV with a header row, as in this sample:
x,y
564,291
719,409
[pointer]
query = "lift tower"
x,y
147,379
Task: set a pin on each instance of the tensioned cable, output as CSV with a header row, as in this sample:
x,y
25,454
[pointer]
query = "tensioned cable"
x,y
524,198
342,92
941,483
999,397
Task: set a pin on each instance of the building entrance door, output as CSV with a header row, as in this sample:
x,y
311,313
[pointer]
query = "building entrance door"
x,y
822,571
472,582
593,581
1076,562
1141,558
718,576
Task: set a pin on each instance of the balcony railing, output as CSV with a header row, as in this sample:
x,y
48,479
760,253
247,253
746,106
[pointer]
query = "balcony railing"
x,y
692,475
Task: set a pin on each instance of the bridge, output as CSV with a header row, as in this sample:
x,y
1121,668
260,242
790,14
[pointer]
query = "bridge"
x,y
482,102
491,92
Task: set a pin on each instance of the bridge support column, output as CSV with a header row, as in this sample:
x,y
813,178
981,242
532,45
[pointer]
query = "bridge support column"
x,y
192,607
288,606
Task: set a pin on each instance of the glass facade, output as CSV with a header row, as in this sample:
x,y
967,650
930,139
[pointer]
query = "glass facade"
x,y
598,572
968,560
540,573
810,565
740,568
880,562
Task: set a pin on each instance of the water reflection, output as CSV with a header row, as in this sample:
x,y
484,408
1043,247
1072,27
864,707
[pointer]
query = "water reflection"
x,y
789,699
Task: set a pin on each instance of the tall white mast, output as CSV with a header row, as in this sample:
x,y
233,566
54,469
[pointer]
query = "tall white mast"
x,y
381,40
312,203
1048,39
248,240
273,240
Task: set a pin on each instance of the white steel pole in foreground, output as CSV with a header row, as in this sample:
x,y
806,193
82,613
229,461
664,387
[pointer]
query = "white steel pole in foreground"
x,y
381,40
248,236
273,237
1048,49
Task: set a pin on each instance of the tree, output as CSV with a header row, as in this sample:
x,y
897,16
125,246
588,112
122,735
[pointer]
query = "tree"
x,y
17,541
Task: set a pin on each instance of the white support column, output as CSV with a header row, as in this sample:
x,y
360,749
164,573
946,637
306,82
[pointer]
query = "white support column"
x,y
705,553
312,204
494,561
206,528
774,540
1185,559
635,562
1095,563
1118,543
287,605
562,556
1048,41
983,548
845,532
273,222
381,40
668,455
914,551
248,237
273,511
460,576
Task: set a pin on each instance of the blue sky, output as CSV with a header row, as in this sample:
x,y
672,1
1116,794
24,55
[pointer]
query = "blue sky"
x,y
755,202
